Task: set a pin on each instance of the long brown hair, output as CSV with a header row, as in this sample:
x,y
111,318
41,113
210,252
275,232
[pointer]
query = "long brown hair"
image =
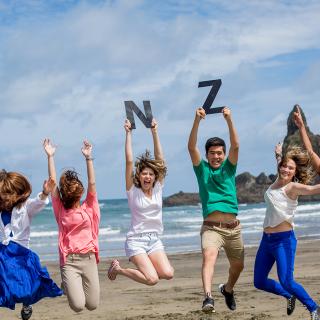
x,y
70,188
145,161
304,171
14,190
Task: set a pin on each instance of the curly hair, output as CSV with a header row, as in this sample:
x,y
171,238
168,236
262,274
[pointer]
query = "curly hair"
x,y
15,189
304,171
145,161
70,188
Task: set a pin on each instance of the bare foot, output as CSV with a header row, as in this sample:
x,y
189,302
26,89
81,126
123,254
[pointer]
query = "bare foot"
x,y
113,269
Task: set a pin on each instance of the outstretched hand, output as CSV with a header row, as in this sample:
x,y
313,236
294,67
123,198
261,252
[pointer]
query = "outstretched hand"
x,y
154,125
49,148
226,113
200,113
48,186
297,117
127,125
86,149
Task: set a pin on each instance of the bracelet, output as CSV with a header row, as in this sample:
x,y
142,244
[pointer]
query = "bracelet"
x,y
87,159
44,193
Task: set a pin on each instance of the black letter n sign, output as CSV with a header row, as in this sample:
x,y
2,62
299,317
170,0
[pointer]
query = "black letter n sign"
x,y
216,84
145,119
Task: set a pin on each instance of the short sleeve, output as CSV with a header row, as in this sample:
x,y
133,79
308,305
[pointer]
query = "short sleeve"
x,y
199,168
93,203
230,168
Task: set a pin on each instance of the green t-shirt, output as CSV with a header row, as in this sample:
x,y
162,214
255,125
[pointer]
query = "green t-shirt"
x,y
217,187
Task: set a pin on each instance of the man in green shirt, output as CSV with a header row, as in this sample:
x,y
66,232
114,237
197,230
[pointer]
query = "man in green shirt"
x,y
221,228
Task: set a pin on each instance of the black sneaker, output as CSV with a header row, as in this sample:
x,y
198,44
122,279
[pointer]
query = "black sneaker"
x,y
229,297
208,304
26,312
291,304
315,315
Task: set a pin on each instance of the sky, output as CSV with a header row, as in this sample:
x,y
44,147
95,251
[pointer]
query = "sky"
x,y
66,68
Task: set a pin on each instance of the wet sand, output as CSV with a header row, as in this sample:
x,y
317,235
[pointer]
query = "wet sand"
x,y
181,298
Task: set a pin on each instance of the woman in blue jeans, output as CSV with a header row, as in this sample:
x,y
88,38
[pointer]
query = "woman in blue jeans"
x,y
278,244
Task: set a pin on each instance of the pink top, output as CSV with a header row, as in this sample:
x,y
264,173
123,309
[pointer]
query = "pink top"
x,y
78,228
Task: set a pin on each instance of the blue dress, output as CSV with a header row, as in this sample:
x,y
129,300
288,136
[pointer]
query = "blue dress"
x,y
22,278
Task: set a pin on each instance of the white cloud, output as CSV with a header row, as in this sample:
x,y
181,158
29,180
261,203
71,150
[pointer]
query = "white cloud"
x,y
65,74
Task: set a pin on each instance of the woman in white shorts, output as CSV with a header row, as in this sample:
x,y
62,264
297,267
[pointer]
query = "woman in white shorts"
x,y
144,190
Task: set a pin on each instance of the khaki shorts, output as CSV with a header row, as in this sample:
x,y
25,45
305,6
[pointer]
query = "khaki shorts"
x,y
228,239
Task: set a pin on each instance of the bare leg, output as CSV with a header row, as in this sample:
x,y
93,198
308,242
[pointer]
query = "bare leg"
x,y
209,258
236,267
161,264
145,272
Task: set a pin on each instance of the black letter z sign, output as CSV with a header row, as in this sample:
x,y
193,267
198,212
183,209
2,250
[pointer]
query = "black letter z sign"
x,y
216,84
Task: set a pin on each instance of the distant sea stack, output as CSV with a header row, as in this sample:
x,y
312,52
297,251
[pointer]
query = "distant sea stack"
x,y
293,136
250,189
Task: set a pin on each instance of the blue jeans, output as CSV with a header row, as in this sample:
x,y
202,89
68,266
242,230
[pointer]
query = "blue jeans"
x,y
279,247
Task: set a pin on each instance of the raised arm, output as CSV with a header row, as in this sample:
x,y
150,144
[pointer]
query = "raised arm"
x,y
234,140
158,154
305,139
192,143
47,188
129,156
87,152
50,150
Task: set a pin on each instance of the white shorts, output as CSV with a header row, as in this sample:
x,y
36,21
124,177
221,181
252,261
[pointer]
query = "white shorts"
x,y
147,242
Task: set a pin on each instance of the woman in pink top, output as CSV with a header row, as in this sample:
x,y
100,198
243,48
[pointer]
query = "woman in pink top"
x,y
78,231
144,190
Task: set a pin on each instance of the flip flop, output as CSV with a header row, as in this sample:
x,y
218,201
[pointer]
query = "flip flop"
x,y
111,274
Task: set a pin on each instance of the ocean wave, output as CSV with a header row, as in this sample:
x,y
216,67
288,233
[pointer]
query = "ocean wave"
x,y
108,231
38,234
252,210
179,235
113,239
308,207
249,224
303,215
187,220
252,230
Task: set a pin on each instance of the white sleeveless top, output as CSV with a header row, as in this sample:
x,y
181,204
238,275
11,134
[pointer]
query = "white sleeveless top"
x,y
280,207
146,213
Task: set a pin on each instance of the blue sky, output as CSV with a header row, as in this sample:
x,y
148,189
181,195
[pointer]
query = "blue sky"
x,y
66,67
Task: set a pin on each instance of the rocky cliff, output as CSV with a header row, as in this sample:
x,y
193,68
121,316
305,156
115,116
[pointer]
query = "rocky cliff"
x,y
250,189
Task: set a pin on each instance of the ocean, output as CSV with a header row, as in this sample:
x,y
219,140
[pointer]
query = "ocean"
x,y
181,227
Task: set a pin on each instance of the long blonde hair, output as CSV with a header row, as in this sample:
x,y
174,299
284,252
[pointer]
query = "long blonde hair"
x,y
304,171
145,161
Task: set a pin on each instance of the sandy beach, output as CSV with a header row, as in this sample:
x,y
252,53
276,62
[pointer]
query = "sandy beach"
x,y
181,298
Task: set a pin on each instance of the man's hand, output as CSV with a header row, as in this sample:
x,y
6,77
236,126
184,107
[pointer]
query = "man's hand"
x,y
200,114
226,113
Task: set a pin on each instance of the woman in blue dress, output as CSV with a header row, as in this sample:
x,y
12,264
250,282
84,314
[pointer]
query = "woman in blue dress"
x,y
22,278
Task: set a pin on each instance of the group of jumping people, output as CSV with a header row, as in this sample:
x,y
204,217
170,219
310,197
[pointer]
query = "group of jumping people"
x,y
24,280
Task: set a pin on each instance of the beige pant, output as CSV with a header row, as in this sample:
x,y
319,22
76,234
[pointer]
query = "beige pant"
x,y
80,281
228,239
